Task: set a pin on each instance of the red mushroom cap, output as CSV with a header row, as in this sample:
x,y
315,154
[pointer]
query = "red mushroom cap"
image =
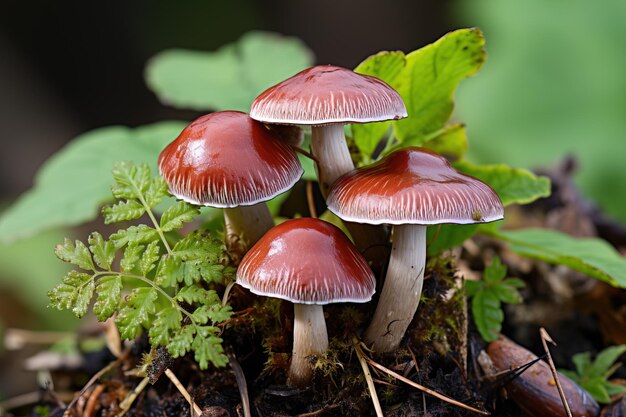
x,y
227,159
328,94
413,186
307,261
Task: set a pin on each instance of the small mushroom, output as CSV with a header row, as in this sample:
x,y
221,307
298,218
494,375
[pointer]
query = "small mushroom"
x,y
228,160
410,189
310,263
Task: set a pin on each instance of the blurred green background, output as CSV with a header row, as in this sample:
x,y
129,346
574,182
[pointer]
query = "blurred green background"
x,y
553,85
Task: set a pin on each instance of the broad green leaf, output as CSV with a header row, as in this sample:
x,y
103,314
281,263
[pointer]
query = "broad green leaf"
x,y
103,250
487,314
450,142
507,294
75,253
178,214
596,387
109,290
582,362
513,185
428,82
446,236
593,257
71,186
387,66
229,78
495,272
605,360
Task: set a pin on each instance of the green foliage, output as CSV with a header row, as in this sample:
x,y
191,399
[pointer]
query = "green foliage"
x,y
488,294
591,256
426,79
73,184
571,101
229,78
513,185
163,281
593,376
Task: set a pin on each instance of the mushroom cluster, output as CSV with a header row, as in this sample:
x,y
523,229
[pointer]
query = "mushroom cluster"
x,y
234,161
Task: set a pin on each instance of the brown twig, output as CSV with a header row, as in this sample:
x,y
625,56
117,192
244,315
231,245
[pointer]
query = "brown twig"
x,y
310,199
423,388
305,153
241,381
130,398
368,377
93,379
545,337
91,402
318,412
197,411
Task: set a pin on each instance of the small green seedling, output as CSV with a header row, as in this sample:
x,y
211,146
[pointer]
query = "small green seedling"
x,y
163,282
593,376
487,296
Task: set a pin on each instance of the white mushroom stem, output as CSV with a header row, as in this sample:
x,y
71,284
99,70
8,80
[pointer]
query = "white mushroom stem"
x,y
309,338
402,288
247,222
328,145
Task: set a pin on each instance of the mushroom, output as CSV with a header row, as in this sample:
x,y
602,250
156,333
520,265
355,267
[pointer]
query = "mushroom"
x,y
410,189
327,97
310,263
228,160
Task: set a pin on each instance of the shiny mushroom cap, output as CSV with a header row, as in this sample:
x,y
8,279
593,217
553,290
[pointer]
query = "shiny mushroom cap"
x,y
328,94
227,159
413,186
307,261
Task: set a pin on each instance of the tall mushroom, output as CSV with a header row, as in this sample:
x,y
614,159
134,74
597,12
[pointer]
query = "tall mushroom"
x,y
327,97
228,160
310,263
410,189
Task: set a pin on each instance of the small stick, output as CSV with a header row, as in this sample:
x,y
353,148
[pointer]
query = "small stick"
x,y
227,293
318,412
92,380
130,398
545,337
368,378
423,388
91,402
196,408
241,382
310,199
305,153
